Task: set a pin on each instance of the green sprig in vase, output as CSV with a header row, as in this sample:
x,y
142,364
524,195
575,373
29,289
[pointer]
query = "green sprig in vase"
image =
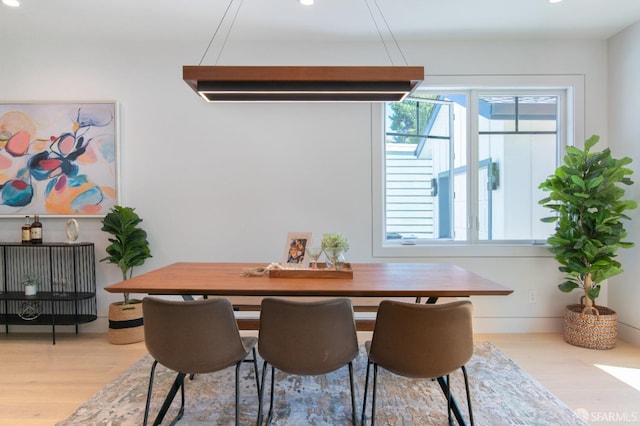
x,y
334,247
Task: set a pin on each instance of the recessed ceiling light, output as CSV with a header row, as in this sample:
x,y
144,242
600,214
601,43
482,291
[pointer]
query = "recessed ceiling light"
x,y
305,2
555,1
11,3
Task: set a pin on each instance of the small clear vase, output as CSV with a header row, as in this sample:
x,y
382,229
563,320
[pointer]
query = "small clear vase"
x,y
335,258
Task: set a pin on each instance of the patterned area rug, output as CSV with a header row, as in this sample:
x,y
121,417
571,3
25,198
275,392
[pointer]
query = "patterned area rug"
x,y
502,394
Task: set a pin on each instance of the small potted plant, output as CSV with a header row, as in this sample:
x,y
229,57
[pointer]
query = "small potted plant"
x,y
586,196
334,247
30,283
129,248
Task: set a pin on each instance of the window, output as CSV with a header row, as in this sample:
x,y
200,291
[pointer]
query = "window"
x,y
462,167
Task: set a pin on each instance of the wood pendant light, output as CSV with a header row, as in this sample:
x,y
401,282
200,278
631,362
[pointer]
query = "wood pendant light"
x,y
303,83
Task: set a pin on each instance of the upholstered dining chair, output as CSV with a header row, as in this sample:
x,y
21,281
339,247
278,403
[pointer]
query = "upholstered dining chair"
x,y
307,339
193,337
420,341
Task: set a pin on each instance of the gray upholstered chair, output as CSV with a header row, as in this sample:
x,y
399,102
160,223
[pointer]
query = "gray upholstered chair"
x,y
421,341
307,339
192,337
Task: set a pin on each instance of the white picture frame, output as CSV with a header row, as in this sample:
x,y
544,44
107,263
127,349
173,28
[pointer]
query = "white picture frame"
x,y
295,249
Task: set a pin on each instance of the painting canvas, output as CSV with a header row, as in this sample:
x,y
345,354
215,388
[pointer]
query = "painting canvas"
x,y
295,248
58,158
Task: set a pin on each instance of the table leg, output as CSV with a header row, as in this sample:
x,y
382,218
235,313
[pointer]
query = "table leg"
x,y
430,300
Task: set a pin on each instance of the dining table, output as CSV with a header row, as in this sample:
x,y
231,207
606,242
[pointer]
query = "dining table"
x,y
425,280
430,281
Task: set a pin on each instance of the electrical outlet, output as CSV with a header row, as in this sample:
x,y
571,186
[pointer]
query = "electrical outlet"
x,y
533,296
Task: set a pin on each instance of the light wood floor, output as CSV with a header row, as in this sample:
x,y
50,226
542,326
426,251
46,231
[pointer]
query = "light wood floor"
x,y
41,384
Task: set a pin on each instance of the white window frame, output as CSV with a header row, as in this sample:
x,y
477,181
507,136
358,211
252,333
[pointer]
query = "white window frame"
x,y
572,119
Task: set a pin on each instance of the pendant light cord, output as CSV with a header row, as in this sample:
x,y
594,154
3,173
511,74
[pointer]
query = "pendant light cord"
x,y
206,51
366,2
393,37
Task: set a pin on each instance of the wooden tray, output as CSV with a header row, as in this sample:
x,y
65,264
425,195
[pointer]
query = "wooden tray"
x,y
321,272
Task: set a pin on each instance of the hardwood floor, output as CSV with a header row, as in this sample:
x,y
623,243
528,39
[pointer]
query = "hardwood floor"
x,y
577,375
41,384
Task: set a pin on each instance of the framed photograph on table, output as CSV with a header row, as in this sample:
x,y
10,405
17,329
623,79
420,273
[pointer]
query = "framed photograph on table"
x,y
295,253
58,158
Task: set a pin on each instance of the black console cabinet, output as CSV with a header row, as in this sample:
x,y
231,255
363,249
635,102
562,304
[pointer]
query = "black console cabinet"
x,y
66,293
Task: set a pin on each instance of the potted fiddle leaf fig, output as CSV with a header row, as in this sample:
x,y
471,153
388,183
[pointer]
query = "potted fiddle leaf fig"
x,y
587,198
129,248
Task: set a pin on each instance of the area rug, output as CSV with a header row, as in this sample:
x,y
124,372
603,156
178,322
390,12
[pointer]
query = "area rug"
x,y
502,394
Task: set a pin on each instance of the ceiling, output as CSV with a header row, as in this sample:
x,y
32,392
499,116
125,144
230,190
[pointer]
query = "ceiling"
x,y
327,20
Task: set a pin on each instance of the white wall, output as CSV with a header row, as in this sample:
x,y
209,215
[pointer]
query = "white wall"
x,y
227,182
624,131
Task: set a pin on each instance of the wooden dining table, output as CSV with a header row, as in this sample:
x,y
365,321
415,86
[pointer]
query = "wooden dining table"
x,y
366,280
429,280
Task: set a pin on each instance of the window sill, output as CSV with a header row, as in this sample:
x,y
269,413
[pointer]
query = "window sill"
x,y
432,250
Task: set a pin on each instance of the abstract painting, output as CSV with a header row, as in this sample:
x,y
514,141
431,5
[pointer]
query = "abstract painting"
x,y
58,159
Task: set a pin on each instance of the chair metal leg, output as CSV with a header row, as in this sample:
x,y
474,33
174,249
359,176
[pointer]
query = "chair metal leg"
x,y
261,394
444,384
255,369
354,412
366,387
181,412
373,399
353,396
178,384
149,389
237,391
466,385
448,395
254,361
273,380
454,405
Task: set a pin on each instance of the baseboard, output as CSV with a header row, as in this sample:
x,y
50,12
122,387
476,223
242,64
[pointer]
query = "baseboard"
x,y
517,325
629,334
481,325
248,321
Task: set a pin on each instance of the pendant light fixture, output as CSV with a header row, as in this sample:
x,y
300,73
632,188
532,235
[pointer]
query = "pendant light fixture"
x,y
216,83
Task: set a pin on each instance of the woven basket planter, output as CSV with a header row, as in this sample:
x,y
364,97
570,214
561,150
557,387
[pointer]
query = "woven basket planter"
x,y
590,330
126,323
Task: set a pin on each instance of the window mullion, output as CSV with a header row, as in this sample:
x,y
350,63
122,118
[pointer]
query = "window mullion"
x,y
472,167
